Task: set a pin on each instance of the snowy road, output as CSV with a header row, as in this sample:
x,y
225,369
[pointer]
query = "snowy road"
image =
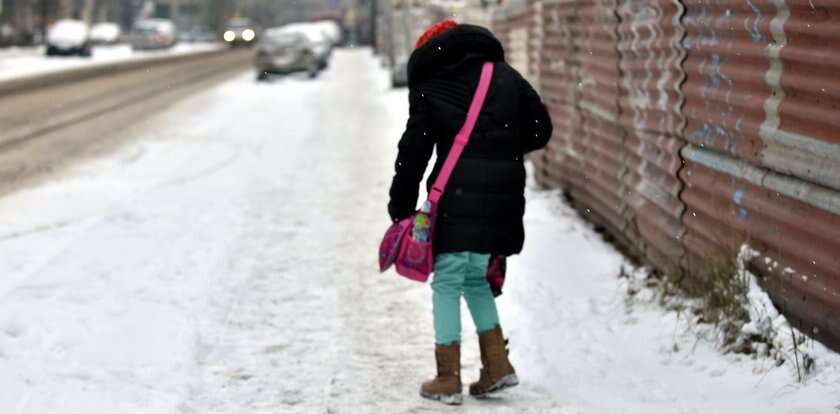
x,y
224,262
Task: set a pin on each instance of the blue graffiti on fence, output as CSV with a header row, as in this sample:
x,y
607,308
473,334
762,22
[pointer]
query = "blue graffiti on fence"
x,y
737,198
755,29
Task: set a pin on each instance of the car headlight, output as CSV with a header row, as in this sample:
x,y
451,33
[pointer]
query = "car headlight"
x,y
229,36
248,35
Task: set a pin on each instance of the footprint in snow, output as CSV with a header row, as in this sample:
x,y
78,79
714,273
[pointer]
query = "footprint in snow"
x,y
718,372
14,330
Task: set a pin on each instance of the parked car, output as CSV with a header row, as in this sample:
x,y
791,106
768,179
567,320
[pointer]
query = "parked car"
x,y
317,37
332,30
105,33
280,52
69,37
153,34
240,32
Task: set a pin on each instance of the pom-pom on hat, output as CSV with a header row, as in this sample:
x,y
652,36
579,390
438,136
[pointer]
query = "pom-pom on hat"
x,y
434,31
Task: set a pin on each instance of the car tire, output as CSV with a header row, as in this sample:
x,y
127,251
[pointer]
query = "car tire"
x,y
51,51
86,52
262,76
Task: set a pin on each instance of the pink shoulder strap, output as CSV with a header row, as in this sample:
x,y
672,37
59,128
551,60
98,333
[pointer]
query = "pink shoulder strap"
x,y
463,136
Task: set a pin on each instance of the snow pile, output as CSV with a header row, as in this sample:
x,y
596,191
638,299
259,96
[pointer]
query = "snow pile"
x,y
776,338
802,372
20,62
755,329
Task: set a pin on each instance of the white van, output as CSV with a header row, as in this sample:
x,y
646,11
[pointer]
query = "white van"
x,y
105,33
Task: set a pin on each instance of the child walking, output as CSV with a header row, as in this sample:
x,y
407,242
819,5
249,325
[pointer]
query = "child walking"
x,y
480,213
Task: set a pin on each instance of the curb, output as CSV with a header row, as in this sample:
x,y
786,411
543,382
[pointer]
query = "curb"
x,y
45,80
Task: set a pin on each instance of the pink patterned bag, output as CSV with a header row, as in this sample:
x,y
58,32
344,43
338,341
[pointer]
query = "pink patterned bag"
x,y
414,258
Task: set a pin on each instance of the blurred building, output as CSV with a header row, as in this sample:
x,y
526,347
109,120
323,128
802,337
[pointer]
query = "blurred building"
x,y
401,22
478,12
358,20
266,13
186,14
24,21
305,10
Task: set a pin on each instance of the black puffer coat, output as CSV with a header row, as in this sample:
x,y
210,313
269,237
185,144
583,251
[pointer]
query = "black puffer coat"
x,y
483,204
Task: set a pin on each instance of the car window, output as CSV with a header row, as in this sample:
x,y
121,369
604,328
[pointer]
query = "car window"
x,y
284,39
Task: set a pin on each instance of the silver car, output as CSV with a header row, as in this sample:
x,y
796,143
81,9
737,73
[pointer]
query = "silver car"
x,y
153,34
282,53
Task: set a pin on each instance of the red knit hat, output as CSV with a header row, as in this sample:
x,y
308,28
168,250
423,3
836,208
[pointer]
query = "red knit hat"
x,y
434,31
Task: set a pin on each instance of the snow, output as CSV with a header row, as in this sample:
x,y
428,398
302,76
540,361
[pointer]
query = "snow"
x,y
644,359
68,33
19,62
105,32
225,262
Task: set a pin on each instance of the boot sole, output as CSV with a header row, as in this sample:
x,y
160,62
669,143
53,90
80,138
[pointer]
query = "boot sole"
x,y
508,381
448,399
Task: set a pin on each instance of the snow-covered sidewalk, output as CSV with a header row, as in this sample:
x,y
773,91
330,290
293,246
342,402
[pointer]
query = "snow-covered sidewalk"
x,y
225,263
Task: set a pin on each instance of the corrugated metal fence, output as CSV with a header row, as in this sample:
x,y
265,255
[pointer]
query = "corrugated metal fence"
x,y
687,128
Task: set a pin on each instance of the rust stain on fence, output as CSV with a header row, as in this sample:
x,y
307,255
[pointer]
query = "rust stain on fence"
x,y
688,128
650,58
800,133
560,73
597,107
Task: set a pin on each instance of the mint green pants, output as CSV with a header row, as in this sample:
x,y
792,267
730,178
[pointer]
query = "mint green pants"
x,y
456,274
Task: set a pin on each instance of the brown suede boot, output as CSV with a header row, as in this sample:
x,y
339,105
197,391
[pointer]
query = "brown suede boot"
x,y
496,373
446,387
